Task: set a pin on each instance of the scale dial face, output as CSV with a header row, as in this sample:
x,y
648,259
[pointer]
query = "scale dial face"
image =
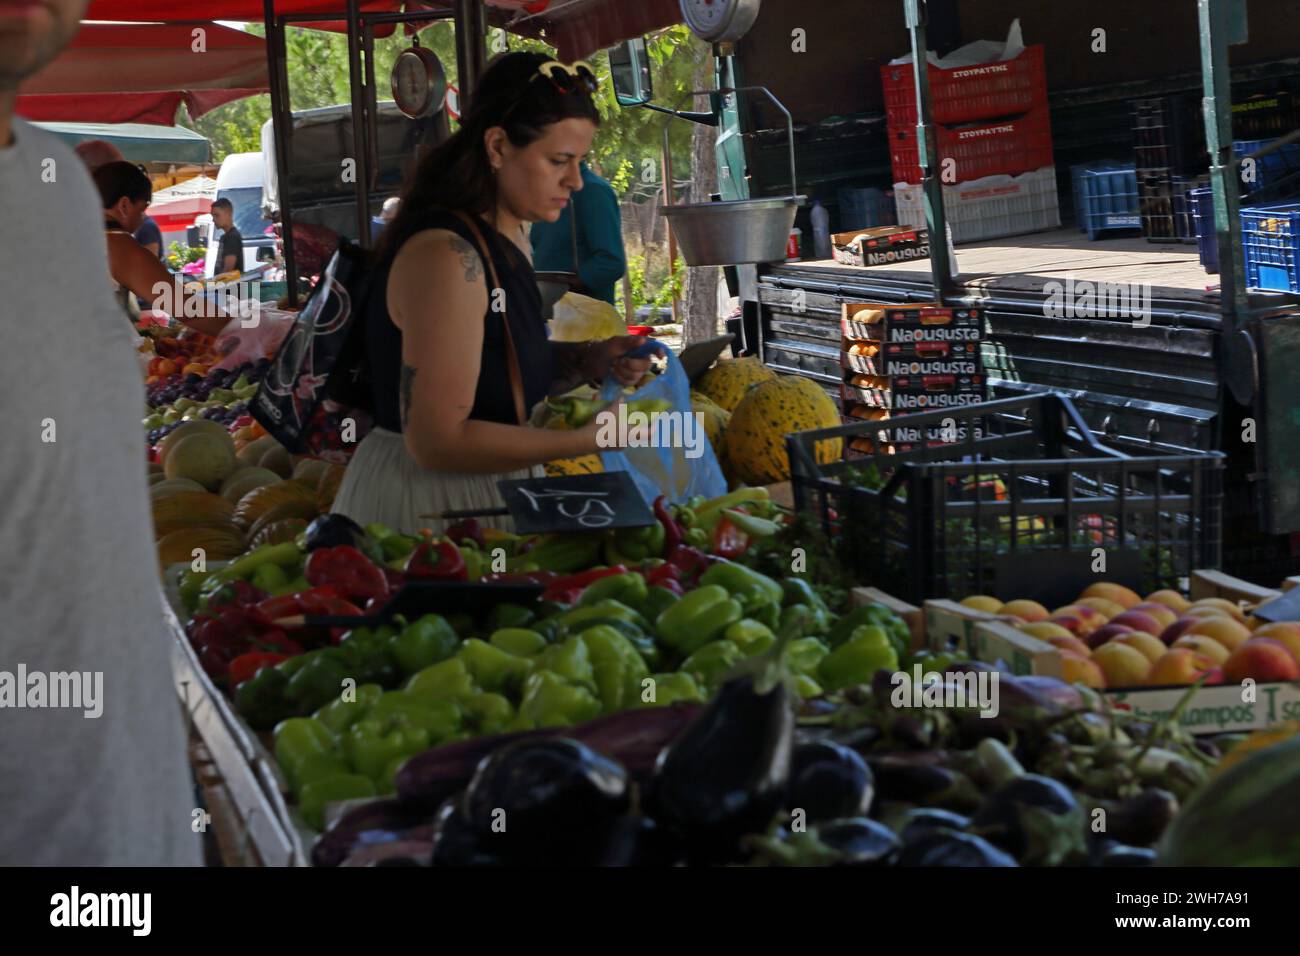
x,y
719,21
416,79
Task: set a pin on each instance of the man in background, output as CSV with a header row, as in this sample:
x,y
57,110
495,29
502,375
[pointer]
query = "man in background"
x,y
591,223
230,254
94,771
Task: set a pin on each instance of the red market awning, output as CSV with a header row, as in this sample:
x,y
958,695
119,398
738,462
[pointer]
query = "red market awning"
x,y
140,73
179,214
248,11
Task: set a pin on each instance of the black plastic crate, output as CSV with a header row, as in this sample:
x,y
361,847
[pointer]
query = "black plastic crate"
x,y
1264,116
1013,500
1163,205
1169,133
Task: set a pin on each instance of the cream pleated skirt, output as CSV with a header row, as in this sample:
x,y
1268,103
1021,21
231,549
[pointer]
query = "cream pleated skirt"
x,y
384,484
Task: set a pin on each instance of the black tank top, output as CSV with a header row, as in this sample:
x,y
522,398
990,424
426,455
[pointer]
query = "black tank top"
x,y
493,401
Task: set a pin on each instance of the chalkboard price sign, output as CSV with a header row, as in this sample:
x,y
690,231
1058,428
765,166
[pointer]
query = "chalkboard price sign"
x,y
575,503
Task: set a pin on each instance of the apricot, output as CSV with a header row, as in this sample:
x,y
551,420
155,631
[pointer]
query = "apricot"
x,y
1108,609
982,602
1170,599
1121,595
1162,613
1107,633
1070,643
1179,665
1286,633
1205,646
1262,659
1123,666
1137,621
1230,606
1045,629
1081,670
1028,611
1150,646
1227,632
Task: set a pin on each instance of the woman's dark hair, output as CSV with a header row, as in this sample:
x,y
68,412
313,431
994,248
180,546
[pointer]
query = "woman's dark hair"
x,y
115,180
456,174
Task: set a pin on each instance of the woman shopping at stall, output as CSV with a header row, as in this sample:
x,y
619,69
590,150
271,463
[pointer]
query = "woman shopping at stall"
x,y
456,343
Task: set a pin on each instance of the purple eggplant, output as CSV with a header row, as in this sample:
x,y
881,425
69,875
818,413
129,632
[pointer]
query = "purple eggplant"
x,y
923,777
1121,855
943,847
639,841
332,530
455,842
829,781
1142,819
545,802
913,823
368,823
859,841
1034,818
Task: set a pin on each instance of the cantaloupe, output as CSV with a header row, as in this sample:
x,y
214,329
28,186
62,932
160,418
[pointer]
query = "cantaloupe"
x,y
206,458
244,480
252,453
173,486
278,460
755,436
184,430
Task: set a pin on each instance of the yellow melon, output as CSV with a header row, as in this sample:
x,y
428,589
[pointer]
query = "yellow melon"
x,y
755,437
728,381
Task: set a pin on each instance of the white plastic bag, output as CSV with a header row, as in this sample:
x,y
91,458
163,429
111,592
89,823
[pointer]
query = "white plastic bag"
x,y
580,318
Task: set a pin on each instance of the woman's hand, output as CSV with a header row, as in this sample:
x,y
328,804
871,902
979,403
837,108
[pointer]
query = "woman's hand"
x,y
602,433
610,358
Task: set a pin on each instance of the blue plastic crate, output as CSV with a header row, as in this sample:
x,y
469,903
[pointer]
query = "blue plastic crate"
x,y
1270,170
863,208
1207,242
1105,197
1270,243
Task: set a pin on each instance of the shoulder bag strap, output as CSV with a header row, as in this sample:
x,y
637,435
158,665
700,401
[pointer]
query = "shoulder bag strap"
x,y
512,357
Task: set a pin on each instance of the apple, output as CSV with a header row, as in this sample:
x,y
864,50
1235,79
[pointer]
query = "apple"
x,y
1177,629
1205,646
1070,643
1081,670
1122,665
1226,631
1263,659
1107,633
1285,632
1165,615
1170,599
1137,621
1028,611
1152,647
1178,666
1121,595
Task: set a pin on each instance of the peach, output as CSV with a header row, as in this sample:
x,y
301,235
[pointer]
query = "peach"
x,y
1070,643
1079,619
1152,647
1165,615
1178,666
1045,629
1227,632
1137,621
1263,659
1122,665
1121,595
1205,646
1081,670
1108,609
1177,629
1170,599
1211,677
1286,633
1107,633
1230,606
1207,611
982,602
1028,611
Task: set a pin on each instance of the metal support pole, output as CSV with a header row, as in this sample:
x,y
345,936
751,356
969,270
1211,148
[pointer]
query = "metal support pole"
x,y
1223,23
471,32
935,219
359,156
372,108
281,123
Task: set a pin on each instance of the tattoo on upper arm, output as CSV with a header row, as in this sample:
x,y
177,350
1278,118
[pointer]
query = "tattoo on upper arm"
x,y
469,259
407,381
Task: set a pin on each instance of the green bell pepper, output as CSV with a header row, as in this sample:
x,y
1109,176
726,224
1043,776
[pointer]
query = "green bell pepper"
x,y
549,700
343,786
564,553
628,589
191,586
856,661
797,591
318,681
519,641
634,545
260,700
270,578
805,655
477,563
398,546
580,618
570,660
751,636
509,615
619,669
446,680
697,538
285,553
697,618
494,669
372,743
709,513
711,662
440,719
752,589
423,642
297,739
341,714
368,656
657,601
842,628
806,687
488,713
670,688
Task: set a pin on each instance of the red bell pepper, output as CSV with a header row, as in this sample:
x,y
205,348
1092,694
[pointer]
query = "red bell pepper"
x,y
672,530
349,572
246,666
543,578
436,561
396,579
728,540
467,529
278,642
326,601
568,589
690,564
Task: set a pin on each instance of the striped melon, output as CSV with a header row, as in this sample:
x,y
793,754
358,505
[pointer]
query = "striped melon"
x,y
217,544
755,437
258,502
583,465
244,480
189,509
728,381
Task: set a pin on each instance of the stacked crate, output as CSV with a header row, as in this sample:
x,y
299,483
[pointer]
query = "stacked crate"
x,y
991,120
908,358
1169,153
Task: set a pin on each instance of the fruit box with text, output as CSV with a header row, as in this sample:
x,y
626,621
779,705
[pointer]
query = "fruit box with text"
x,y
880,246
919,322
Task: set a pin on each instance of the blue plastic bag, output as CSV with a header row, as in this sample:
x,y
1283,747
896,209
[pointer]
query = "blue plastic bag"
x,y
678,461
